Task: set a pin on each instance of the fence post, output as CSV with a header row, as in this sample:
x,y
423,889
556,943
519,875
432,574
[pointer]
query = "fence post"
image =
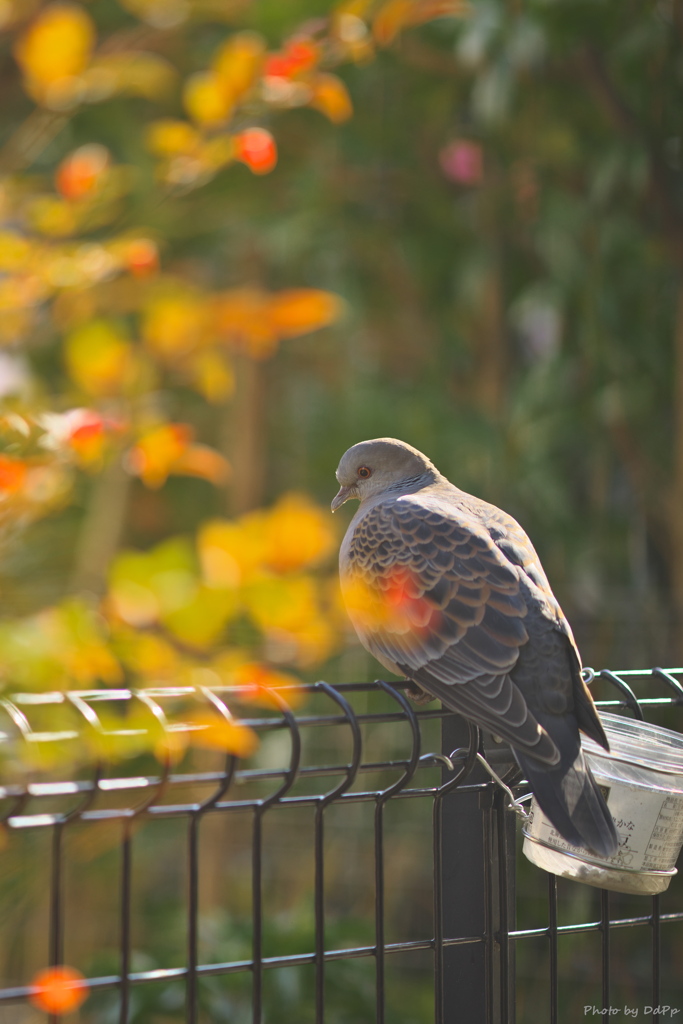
x,y
477,868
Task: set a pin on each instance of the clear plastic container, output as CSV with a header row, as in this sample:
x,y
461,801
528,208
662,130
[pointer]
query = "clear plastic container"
x,y
642,780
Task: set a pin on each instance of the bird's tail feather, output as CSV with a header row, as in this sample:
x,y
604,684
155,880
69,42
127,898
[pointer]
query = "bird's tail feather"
x,y
571,800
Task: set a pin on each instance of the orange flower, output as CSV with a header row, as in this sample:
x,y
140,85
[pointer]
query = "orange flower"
x,y
80,172
242,316
256,148
297,57
12,474
218,733
142,257
300,310
168,449
256,681
88,440
204,462
58,990
157,451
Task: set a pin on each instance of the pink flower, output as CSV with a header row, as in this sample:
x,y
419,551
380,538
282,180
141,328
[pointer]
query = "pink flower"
x,y
462,161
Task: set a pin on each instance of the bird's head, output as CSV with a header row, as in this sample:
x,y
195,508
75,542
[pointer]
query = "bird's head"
x,y
385,464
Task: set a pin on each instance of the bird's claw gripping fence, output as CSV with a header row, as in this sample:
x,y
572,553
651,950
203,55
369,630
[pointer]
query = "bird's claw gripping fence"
x,y
484,937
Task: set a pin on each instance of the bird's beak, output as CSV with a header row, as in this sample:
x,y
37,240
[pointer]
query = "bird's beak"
x,y
342,495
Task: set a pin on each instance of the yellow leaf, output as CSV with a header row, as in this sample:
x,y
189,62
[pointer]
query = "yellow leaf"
x,y
55,48
99,357
390,19
230,553
330,96
200,622
133,74
143,586
52,216
207,97
213,376
281,603
356,8
216,152
15,252
160,14
395,15
174,325
306,644
146,655
239,61
301,310
297,534
79,644
169,137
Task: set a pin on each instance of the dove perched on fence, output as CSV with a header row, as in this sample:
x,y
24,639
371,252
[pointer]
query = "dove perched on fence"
x,y
447,590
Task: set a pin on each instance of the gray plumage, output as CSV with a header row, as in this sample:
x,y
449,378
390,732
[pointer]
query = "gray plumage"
x,y
460,604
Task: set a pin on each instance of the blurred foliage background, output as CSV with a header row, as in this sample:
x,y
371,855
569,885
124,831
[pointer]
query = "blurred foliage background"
x,y
238,236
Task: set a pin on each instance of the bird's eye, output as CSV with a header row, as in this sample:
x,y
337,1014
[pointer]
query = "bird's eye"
x,y
364,472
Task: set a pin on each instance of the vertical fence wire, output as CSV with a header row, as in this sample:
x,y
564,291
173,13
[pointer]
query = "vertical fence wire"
x,y
259,810
605,938
656,953
319,842
552,947
125,923
463,760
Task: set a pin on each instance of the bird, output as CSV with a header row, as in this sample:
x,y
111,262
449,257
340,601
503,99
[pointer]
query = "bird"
x,y
448,591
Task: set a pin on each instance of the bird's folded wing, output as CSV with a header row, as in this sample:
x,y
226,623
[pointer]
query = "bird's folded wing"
x,y
428,591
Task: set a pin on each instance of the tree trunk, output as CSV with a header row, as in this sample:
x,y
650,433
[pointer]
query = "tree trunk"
x,y
102,529
245,442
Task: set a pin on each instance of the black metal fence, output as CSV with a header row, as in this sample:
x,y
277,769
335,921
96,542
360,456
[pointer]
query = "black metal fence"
x,y
345,873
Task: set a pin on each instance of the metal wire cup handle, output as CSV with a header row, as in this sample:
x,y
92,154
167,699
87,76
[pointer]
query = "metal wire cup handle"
x,y
515,803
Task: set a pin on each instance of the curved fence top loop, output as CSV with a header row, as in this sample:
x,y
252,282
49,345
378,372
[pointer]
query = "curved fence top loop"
x,y
469,759
87,789
351,769
625,689
290,773
414,759
670,680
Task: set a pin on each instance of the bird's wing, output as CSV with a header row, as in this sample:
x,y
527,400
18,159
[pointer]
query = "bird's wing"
x,y
429,591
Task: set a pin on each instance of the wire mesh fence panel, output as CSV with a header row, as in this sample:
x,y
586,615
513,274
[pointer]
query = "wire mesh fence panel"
x,y
359,865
